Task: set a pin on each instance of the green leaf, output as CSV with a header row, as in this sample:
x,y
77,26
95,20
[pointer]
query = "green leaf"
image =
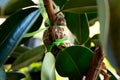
x,y
25,39
88,43
80,6
13,33
60,3
2,73
9,6
94,39
28,57
103,16
17,19
73,62
108,12
9,25
113,36
18,51
14,75
92,16
78,25
28,35
48,67
14,55
36,25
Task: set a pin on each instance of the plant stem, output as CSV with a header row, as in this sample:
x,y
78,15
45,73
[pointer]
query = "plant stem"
x,y
50,11
95,64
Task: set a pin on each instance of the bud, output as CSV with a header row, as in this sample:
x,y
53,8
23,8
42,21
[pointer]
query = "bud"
x,y
52,34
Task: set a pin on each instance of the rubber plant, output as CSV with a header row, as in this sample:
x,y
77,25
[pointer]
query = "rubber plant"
x,y
66,49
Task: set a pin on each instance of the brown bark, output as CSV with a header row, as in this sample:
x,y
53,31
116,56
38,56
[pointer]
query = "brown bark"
x,y
50,11
104,72
95,64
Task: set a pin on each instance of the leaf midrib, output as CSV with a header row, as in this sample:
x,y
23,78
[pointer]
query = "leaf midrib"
x,y
80,8
75,66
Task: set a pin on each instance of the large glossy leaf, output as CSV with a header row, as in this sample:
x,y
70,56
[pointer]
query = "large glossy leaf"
x,y
2,73
110,35
12,34
13,21
103,15
78,25
48,67
36,25
113,37
14,75
10,6
80,6
28,57
33,30
73,62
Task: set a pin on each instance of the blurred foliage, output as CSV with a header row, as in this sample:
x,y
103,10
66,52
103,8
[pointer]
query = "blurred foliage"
x,y
24,54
